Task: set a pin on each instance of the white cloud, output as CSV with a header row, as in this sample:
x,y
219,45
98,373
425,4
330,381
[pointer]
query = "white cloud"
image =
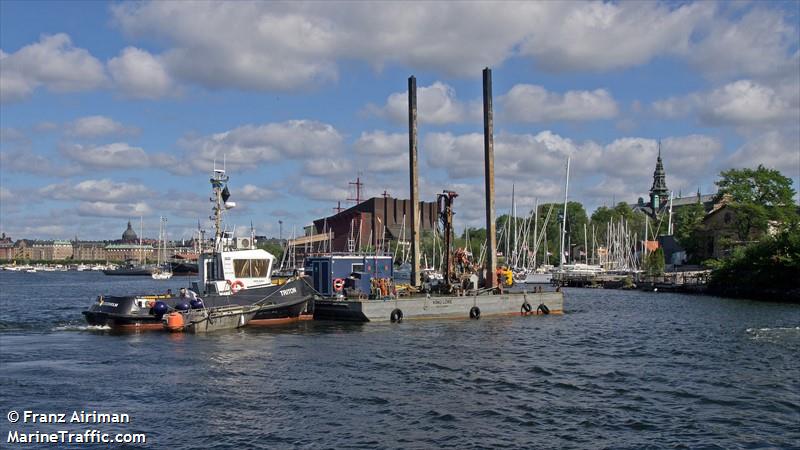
x,y
382,152
605,36
774,149
139,74
436,104
270,46
96,126
745,102
103,190
249,145
111,156
316,189
253,193
122,210
52,62
26,161
741,103
762,42
531,103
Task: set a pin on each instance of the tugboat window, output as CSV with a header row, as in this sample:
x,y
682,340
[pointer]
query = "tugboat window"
x,y
250,268
258,268
357,268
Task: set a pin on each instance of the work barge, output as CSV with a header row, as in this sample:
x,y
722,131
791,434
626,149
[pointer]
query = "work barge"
x,y
467,291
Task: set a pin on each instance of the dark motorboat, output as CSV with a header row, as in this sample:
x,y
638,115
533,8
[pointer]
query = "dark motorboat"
x,y
227,277
131,269
180,268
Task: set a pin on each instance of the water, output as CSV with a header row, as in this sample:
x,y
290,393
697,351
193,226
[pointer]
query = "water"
x,y
619,370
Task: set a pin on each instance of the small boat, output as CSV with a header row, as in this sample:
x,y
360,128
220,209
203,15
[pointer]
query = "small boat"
x,y
158,274
206,320
131,269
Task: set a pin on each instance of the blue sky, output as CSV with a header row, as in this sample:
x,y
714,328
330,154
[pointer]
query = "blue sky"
x,y
113,111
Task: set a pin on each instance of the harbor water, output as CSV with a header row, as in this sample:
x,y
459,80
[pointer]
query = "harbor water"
x,y
620,369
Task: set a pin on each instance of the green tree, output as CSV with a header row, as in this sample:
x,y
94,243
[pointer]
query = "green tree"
x,y
687,224
765,269
749,218
759,186
654,264
273,248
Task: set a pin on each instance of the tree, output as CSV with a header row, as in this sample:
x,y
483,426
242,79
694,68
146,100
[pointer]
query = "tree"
x,y
749,218
765,269
275,249
760,186
688,222
654,264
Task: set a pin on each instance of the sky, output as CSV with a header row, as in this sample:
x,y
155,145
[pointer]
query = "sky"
x,y
116,111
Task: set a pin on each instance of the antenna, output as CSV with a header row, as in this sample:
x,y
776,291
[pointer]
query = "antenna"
x,y
358,184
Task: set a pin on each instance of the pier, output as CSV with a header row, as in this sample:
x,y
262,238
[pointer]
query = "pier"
x,y
689,281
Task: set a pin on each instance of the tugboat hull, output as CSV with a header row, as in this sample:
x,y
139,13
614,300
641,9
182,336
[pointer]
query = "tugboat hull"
x,y
275,304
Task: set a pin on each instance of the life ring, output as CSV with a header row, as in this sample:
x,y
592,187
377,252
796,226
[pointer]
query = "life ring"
x,y
338,284
525,309
236,286
542,309
396,316
475,313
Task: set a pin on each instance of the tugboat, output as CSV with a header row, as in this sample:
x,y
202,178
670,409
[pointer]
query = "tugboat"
x,y
235,285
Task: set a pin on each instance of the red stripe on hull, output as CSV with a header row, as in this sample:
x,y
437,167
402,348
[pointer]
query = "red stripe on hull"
x,y
266,322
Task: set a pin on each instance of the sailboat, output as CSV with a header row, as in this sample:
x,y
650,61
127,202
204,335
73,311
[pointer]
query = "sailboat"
x,y
163,271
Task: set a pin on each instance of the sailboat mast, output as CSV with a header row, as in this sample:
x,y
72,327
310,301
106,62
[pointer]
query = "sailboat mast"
x,y
564,219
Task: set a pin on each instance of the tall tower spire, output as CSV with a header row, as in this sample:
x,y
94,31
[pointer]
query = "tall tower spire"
x,y
659,193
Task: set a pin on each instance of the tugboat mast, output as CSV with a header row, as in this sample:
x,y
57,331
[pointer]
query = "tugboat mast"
x,y
220,195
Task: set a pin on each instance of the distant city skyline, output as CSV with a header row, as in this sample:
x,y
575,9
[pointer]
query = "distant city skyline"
x,y
112,111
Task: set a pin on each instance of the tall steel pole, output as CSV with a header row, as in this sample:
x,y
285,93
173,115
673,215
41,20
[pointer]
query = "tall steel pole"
x,y
412,169
488,158
564,219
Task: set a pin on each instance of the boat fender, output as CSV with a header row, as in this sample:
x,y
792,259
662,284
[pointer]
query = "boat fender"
x,y
525,309
236,286
396,316
196,304
160,308
182,306
475,313
175,321
338,284
543,309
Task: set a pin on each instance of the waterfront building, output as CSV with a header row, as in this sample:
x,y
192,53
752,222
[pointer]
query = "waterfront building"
x,y
373,223
89,251
7,251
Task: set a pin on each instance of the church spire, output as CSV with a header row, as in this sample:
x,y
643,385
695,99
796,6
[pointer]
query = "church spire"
x,y
659,193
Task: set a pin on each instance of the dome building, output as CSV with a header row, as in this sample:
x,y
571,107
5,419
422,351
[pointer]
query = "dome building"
x,y
129,235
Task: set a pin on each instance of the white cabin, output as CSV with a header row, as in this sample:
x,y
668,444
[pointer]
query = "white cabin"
x,y
229,271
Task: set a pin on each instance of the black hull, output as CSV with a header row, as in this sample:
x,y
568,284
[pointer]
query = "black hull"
x,y
278,303
129,272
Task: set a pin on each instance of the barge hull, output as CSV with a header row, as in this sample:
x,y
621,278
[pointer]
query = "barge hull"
x,y
438,307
